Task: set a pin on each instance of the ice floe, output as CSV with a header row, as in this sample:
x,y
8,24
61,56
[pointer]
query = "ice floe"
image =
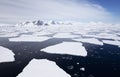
x,y
71,48
104,36
42,33
82,69
29,38
112,42
6,55
9,34
65,35
89,40
42,68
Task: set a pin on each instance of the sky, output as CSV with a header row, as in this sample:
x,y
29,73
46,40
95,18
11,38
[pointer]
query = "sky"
x,y
15,11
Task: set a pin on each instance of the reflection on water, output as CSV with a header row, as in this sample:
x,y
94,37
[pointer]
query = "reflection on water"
x,y
102,61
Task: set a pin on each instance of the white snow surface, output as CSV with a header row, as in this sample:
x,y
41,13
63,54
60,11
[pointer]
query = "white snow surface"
x,y
42,68
89,40
65,35
105,36
94,30
9,34
42,33
6,55
112,42
71,48
29,38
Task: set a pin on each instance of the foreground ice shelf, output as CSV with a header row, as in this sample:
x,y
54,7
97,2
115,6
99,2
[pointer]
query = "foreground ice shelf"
x,y
42,68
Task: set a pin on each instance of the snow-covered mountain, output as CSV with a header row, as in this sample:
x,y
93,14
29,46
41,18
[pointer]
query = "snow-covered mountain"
x,y
33,23
42,23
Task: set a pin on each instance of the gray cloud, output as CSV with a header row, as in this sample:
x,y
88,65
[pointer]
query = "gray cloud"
x,y
20,10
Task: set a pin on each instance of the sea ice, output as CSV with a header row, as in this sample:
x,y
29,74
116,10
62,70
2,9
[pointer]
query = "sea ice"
x,y
9,34
29,38
43,68
82,69
71,48
42,33
89,40
6,55
65,35
111,42
104,35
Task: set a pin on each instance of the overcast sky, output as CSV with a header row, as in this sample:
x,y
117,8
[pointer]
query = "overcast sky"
x,y
14,11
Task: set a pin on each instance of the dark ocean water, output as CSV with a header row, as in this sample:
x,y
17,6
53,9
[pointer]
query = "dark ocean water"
x,y
102,61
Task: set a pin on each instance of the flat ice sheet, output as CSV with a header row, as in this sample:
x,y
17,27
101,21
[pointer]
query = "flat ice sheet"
x,y
111,42
6,55
9,35
89,40
65,35
29,38
43,68
42,33
105,36
71,48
